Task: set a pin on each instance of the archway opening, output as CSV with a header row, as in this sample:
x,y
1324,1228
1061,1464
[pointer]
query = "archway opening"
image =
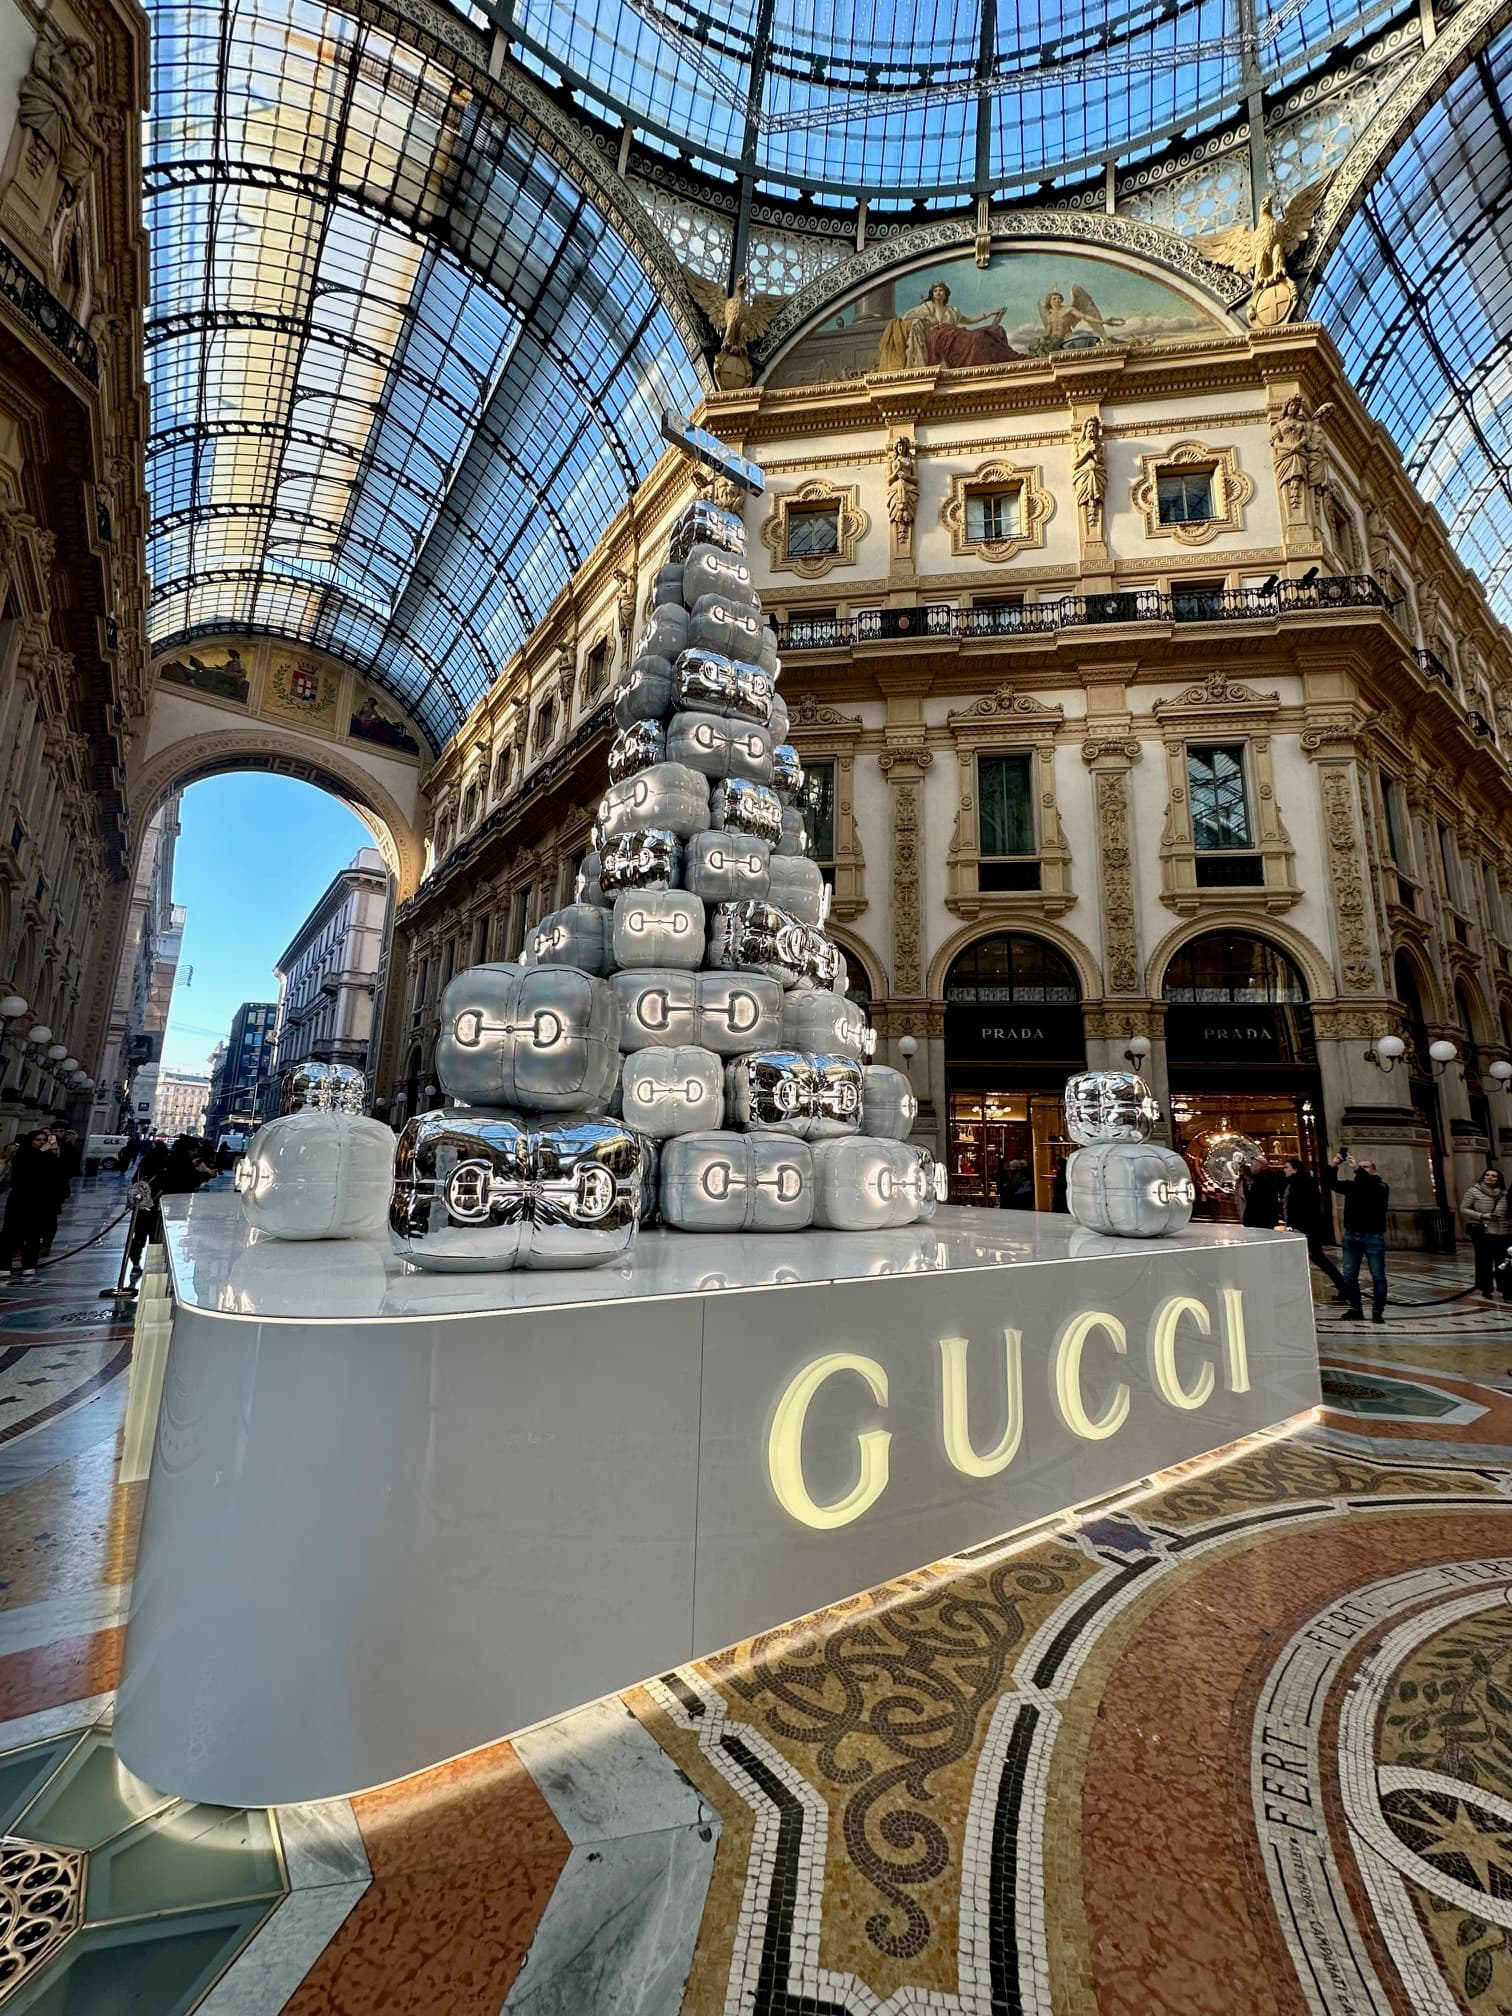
x,y
1013,1035
1241,1055
257,939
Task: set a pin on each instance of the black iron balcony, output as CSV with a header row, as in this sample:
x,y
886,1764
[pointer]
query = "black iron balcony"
x,y
1435,668
1071,612
48,316
1479,724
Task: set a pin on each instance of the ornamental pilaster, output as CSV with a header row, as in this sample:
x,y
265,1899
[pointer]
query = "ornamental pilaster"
x,y
904,766
1110,759
1334,749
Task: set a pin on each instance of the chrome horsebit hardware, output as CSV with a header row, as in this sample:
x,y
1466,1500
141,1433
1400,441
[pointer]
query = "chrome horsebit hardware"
x,y
544,1029
473,1189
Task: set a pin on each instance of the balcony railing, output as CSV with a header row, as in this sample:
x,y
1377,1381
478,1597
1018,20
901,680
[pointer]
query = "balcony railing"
x,y
1480,724
1070,612
46,314
1435,668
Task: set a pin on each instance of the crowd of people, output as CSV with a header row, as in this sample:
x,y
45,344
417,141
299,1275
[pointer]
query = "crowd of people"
x,y
37,1173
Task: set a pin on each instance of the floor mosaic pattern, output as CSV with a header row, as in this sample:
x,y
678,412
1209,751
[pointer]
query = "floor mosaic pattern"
x,y
1241,1741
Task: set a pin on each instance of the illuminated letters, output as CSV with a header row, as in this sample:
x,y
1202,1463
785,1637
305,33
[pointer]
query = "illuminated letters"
x,y
953,1404
785,1444
1068,1387
1234,1344
1163,1353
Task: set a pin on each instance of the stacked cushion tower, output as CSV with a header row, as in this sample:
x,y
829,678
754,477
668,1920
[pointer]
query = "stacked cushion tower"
x,y
676,1044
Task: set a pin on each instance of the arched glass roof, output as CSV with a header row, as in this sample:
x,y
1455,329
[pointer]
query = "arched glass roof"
x,y
1418,296
402,371
921,97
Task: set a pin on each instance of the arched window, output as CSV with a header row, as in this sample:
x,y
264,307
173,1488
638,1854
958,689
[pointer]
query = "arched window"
x,y
1012,967
1472,1047
1233,969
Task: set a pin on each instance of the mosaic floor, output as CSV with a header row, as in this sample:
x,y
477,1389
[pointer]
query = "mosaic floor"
x,y
1241,1743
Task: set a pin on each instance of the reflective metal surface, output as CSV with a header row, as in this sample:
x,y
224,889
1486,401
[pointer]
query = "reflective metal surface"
x,y
659,927
668,796
636,748
668,1092
787,772
707,682
652,859
794,837
482,1191
313,1087
721,748
764,939
727,867
740,806
1130,1190
1223,1157
589,887
1109,1106
313,1175
580,935
542,1037
705,523
721,1182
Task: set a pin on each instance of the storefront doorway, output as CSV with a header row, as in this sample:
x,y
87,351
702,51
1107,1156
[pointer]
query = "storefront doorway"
x,y
1240,1055
1013,1036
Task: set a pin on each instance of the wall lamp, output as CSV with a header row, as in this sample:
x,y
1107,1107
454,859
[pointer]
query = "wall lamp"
x,y
1386,1052
1501,1070
1138,1050
1443,1054
908,1048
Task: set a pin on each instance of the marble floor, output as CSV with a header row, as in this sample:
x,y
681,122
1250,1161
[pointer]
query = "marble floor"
x,y
1241,1742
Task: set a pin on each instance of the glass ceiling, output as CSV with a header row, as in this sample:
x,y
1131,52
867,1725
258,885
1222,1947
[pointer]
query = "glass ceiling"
x,y
402,373
1418,296
927,96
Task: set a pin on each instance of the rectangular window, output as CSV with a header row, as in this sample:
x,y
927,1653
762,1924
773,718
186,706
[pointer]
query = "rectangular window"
x,y
1492,891
813,530
1197,601
819,810
1450,859
448,962
1005,816
1397,838
519,922
480,941
1185,497
1220,805
597,676
545,726
422,982
993,514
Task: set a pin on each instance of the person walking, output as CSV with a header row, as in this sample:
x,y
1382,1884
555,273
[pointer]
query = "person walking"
x,y
1484,1221
180,1170
1300,1209
1260,1195
1015,1185
1365,1200
37,1189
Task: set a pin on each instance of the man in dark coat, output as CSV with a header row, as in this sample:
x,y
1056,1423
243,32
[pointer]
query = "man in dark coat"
x,y
37,1189
182,1168
1301,1210
1365,1201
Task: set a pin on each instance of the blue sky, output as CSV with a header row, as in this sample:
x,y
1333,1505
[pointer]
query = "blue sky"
x,y
253,854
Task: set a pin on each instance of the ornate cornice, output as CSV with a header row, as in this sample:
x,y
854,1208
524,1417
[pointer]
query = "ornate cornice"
x,y
1217,690
1003,704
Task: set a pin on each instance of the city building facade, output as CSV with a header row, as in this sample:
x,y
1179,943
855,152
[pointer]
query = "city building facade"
x,y
181,1102
1141,702
240,1088
328,973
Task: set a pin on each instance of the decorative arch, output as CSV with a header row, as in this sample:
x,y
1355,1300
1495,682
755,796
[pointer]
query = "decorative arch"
x,y
1088,975
1471,1011
861,955
1315,969
236,747
1424,979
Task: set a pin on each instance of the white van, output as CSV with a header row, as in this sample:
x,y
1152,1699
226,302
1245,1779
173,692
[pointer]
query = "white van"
x,y
100,1148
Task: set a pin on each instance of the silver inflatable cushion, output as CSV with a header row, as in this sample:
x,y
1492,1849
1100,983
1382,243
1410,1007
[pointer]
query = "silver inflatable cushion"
x,y
721,748
787,772
739,806
797,886
731,627
581,935
646,694
889,1104
793,841
656,1008
736,1183
666,588
706,682
826,1022
652,859
1109,1106
477,1191
670,1092
659,927
726,867
589,887
778,723
862,1185
542,1037
665,631
783,1092
736,1012
313,1087
1133,1190
668,796
710,571
650,1206
764,939
636,748
705,523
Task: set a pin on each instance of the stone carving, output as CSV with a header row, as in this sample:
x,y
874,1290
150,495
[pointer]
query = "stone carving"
x,y
1261,250
624,609
1089,473
56,108
1429,602
908,969
739,321
1299,453
1355,962
808,711
1218,690
902,490
1378,542
1123,747
1001,704
1119,941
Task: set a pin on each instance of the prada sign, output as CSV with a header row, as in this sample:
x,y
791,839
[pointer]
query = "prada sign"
x,y
992,1033
1240,1034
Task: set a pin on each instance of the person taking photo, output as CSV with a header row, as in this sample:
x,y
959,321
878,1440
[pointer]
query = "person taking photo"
x,y
1365,1200
1300,1209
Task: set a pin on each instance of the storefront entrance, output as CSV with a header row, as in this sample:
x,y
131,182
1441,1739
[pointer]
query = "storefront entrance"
x,y
1240,1055
1013,1036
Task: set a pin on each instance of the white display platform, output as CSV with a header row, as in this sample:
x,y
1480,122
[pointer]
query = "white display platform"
x,y
393,1515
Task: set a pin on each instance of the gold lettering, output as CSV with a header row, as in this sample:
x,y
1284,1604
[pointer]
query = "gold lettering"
x,y
785,1444
954,1408
1163,1353
1068,1387
1235,1348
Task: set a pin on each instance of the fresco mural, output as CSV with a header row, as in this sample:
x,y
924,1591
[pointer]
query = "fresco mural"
x,y
370,723
954,314
221,674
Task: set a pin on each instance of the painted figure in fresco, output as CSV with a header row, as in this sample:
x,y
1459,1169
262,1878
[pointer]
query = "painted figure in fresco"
x,y
1060,319
936,333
